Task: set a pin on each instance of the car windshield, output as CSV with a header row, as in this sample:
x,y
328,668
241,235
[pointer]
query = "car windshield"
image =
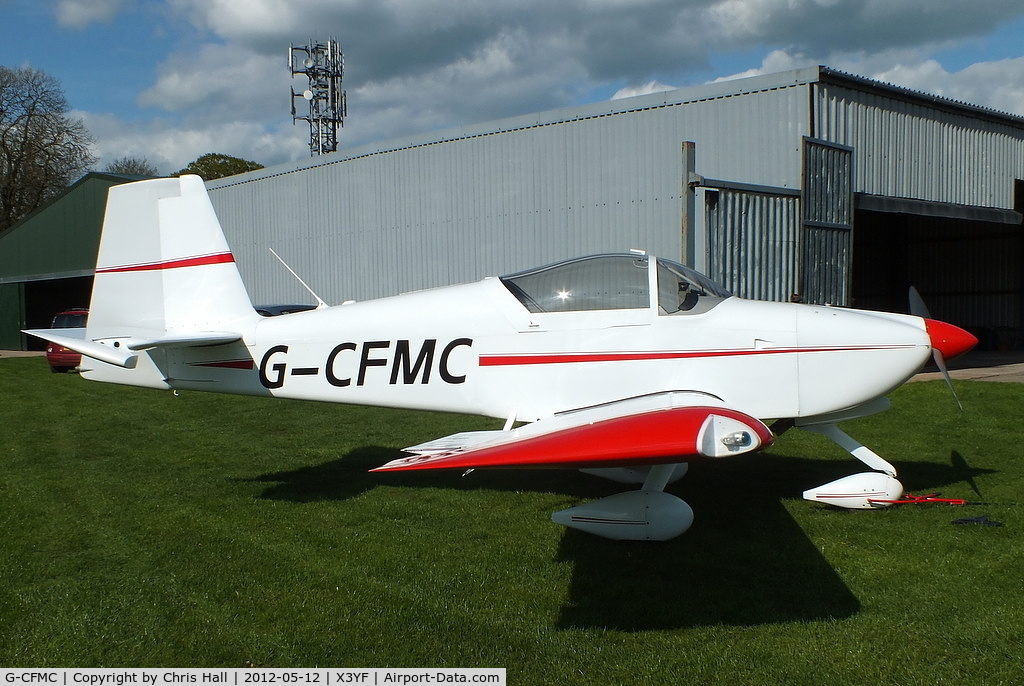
x,y
70,320
601,282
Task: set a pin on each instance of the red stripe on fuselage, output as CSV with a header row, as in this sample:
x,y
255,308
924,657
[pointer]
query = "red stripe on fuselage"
x,y
200,261
226,364
567,358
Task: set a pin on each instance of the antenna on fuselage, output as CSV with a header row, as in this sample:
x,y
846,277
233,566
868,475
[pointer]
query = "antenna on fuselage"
x,y
320,304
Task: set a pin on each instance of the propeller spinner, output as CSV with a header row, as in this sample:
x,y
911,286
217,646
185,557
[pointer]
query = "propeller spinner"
x,y
947,341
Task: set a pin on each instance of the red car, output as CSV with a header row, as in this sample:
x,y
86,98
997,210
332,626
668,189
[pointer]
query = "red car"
x,y
60,358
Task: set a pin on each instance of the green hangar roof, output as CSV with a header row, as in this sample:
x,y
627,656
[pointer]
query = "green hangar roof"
x,y
59,240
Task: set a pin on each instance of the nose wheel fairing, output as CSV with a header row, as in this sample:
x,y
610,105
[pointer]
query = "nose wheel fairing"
x,y
864,491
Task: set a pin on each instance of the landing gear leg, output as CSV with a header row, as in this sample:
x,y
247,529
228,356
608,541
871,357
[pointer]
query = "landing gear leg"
x,y
852,446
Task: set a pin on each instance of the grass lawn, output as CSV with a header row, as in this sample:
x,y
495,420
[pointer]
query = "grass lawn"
x,y
144,529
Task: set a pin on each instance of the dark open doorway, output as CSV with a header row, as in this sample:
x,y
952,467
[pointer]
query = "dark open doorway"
x,y
43,299
968,271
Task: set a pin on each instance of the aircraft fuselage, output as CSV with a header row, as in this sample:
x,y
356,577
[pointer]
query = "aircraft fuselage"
x,y
474,348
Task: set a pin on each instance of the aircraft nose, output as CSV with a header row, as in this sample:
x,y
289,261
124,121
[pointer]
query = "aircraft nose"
x,y
948,339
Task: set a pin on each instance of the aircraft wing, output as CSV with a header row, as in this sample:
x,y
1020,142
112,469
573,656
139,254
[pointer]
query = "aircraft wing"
x,y
656,429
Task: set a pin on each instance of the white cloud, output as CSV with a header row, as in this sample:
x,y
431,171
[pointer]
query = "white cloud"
x,y
244,22
224,79
853,25
645,89
774,62
418,65
927,76
998,85
170,146
488,84
78,14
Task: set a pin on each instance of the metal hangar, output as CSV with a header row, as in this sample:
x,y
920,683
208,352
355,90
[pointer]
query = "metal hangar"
x,y
811,185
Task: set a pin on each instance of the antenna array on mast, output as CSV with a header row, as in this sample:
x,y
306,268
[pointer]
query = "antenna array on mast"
x,y
324,65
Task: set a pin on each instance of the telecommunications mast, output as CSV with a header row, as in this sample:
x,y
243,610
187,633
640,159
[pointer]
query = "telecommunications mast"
x,y
324,65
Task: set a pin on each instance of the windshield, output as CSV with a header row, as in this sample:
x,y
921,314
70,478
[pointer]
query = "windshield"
x,y
601,282
70,320
681,289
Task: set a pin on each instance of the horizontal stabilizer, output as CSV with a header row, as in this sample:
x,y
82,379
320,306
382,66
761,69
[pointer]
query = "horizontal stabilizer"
x,y
656,430
186,340
74,339
121,351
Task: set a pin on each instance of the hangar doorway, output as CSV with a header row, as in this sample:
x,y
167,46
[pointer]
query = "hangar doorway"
x,y
967,268
43,299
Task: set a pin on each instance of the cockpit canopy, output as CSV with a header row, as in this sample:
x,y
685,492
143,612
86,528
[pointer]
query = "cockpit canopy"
x,y
614,282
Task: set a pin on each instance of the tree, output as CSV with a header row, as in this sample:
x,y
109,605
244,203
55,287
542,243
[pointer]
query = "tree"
x,y
42,149
132,166
215,165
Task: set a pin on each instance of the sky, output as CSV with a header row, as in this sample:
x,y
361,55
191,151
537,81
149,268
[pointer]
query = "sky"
x,y
170,80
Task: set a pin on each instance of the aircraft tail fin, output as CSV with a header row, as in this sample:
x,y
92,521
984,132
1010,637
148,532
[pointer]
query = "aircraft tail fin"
x,y
165,277
164,265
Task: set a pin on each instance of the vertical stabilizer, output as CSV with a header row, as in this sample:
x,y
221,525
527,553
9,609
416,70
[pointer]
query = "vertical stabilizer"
x,y
164,267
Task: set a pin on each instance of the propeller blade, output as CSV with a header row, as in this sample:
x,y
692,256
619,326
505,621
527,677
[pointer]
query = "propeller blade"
x,y
917,306
940,362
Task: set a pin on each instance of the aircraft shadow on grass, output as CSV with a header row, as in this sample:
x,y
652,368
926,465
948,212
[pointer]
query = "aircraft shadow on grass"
x,y
745,561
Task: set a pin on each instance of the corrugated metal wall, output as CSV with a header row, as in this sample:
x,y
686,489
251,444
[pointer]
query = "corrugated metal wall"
x,y
502,196
754,242
772,245
827,223
462,204
907,149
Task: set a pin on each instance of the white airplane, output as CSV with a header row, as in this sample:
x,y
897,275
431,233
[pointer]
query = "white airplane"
x,y
625,366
